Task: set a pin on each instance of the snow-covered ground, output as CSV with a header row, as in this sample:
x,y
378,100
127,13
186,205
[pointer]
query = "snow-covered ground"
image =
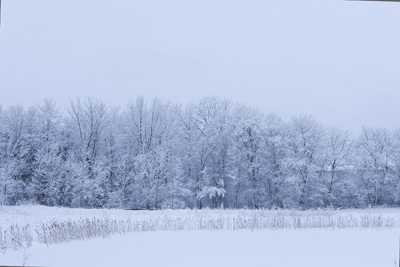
x,y
365,238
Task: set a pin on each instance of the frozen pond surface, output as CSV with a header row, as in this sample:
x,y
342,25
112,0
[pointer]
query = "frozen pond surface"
x,y
304,248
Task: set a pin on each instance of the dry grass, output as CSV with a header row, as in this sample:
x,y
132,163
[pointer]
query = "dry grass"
x,y
18,237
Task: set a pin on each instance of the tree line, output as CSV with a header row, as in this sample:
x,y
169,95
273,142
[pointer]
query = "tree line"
x,y
213,153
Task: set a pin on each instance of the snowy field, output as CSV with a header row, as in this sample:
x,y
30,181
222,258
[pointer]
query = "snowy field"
x,y
192,238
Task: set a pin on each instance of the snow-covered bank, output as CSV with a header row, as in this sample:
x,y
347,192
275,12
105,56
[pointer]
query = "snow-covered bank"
x,y
38,215
305,248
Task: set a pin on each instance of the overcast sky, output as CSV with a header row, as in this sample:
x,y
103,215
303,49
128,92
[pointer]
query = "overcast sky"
x,y
335,60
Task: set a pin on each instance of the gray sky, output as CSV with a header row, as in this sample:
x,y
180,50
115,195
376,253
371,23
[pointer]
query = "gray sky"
x,y
338,61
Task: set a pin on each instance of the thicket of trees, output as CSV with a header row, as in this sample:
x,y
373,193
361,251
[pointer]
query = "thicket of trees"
x,y
213,153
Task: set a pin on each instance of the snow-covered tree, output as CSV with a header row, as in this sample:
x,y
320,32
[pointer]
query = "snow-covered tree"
x,y
208,154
